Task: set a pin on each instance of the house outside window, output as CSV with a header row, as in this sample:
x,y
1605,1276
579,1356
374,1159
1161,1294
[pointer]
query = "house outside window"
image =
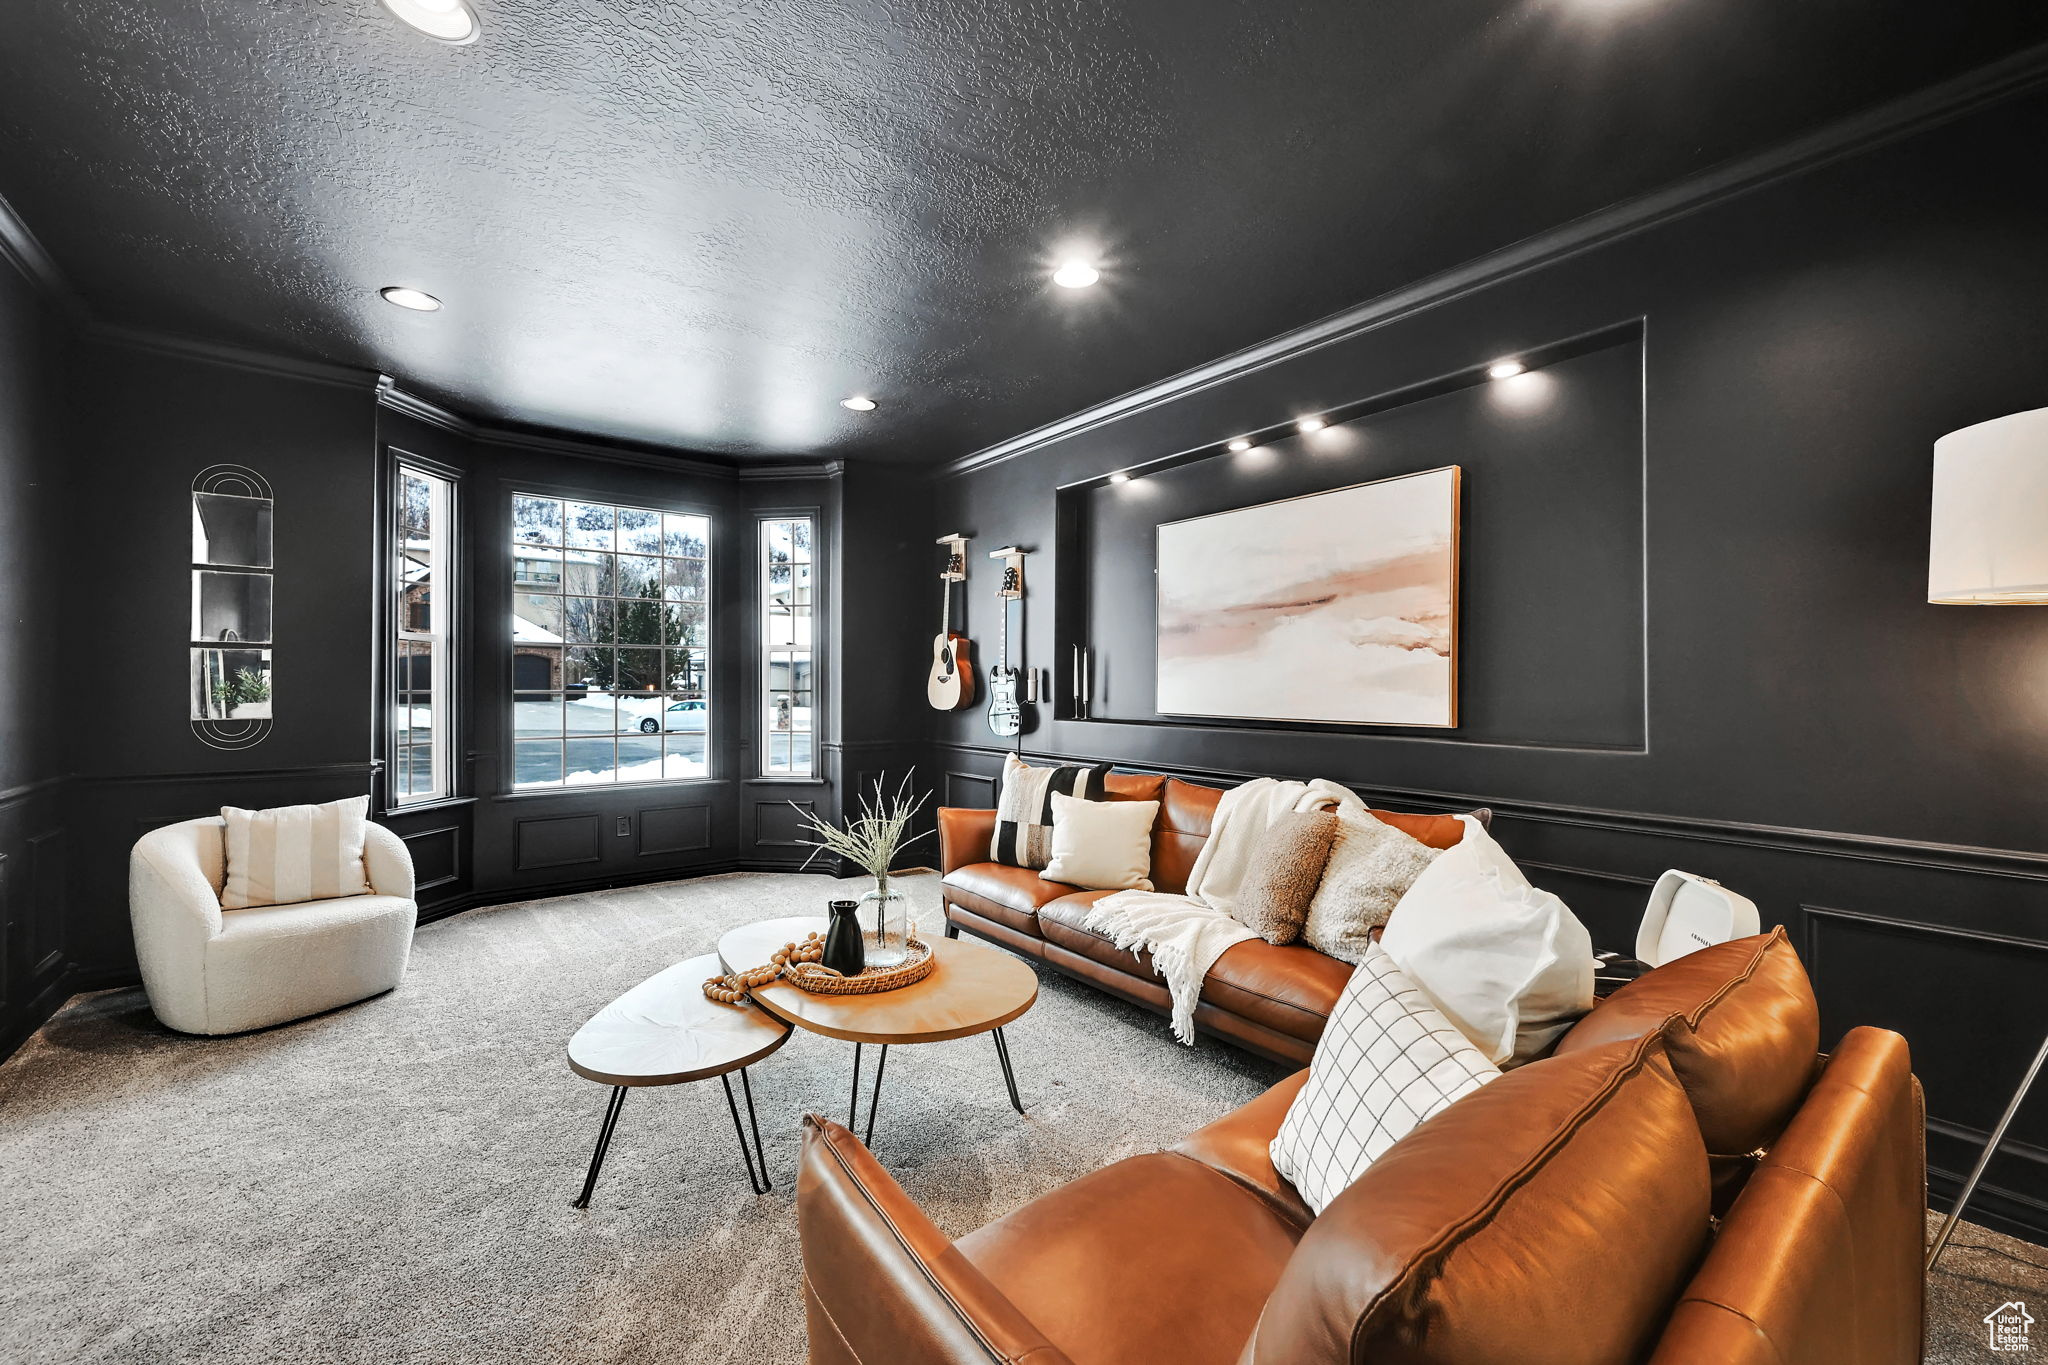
x,y
611,643
423,589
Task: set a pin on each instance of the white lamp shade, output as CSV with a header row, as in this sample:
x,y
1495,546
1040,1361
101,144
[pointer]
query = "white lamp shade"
x,y
1989,540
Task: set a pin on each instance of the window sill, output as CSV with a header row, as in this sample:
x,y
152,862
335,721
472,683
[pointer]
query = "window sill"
x,y
597,789
424,807
787,782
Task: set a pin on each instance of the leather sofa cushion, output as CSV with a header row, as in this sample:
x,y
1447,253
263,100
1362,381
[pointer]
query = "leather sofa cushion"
x,y
1820,1257
1239,1145
1185,814
1745,1050
1154,1259
1290,989
1008,895
1549,1218
1436,831
1134,786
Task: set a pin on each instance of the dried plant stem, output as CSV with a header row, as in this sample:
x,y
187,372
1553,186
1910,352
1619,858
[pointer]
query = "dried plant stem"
x,y
873,838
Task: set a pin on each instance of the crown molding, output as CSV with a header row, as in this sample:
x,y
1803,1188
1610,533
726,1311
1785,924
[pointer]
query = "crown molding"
x,y
407,403
22,249
790,471
235,357
2021,73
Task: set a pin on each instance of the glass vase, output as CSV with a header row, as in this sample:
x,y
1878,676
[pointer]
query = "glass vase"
x,y
887,912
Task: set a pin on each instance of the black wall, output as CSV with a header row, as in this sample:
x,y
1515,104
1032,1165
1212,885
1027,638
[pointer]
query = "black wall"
x,y
33,665
1787,713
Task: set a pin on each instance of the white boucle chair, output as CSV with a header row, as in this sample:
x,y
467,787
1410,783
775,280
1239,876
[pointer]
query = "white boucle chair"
x,y
209,971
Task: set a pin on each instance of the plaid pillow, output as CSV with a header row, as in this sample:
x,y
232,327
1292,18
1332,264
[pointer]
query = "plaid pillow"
x,y
1024,807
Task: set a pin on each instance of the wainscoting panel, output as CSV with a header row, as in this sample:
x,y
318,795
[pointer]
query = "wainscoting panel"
x,y
554,841
972,791
674,829
780,824
436,858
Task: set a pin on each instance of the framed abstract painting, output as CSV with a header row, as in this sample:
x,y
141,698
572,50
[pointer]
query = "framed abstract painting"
x,y
1337,607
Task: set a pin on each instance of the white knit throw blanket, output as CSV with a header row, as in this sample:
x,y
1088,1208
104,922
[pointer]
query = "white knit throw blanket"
x,y
1186,934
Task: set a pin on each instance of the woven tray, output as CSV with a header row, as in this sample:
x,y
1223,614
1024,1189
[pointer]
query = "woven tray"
x,y
808,976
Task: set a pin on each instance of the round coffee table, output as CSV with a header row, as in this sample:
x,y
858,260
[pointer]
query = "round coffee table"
x,y
666,1031
972,989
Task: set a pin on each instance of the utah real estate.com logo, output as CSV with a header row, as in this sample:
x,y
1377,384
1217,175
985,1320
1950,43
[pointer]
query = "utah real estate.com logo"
x,y
2007,1326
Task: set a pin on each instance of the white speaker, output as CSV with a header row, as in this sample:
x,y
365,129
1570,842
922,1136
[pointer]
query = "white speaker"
x,y
1688,913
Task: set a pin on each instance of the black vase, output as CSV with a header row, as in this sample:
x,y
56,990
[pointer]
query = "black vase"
x,y
843,951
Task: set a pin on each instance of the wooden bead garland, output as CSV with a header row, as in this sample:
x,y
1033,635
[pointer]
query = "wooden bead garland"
x,y
732,988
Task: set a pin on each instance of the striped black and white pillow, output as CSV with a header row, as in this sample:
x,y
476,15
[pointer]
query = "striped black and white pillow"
x,y
295,853
1387,1061
1024,807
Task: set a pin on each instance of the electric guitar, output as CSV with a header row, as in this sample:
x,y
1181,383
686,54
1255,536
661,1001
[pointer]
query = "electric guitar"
x,y
1005,712
951,684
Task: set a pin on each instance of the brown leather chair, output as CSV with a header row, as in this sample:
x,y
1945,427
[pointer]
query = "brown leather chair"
x,y
1559,1216
1269,1000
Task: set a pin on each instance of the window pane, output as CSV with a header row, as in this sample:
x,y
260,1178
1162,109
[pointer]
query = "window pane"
x,y
593,572
685,756
536,669
588,668
639,531
689,536
536,619
593,713
537,568
639,623
685,623
684,672
642,713
537,763
587,620
639,670
640,758
589,526
536,521
536,715
780,541
589,760
420,771
639,576
686,580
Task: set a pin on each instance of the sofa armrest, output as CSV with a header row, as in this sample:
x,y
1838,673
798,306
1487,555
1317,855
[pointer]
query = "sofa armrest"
x,y
881,1282
386,861
965,836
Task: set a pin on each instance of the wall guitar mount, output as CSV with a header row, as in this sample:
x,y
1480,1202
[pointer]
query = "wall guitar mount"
x,y
951,684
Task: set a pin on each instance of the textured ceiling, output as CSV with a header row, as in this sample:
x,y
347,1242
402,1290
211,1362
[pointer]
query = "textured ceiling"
x,y
700,224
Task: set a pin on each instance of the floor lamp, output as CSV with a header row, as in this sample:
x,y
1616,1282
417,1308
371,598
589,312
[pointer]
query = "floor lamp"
x,y
1989,547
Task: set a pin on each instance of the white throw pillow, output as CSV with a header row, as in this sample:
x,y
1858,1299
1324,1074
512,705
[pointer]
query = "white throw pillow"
x,y
295,853
1387,1061
1508,964
1371,867
1102,845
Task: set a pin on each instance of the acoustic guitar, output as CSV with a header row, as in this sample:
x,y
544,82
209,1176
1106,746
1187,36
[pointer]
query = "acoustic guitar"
x,y
951,684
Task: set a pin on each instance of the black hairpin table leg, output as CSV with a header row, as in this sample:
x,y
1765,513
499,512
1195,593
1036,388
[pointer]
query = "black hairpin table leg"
x,y
604,1140
853,1100
756,1183
875,1095
1009,1076
754,1122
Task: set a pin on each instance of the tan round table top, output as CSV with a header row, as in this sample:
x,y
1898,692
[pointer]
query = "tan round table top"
x,y
666,1031
972,989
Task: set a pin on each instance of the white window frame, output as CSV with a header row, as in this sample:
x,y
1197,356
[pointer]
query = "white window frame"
x,y
438,637
768,730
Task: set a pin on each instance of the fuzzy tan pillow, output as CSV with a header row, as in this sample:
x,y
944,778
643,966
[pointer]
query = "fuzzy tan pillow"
x,y
1371,867
1281,878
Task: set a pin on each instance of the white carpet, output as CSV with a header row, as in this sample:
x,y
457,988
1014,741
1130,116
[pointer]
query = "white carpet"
x,y
391,1182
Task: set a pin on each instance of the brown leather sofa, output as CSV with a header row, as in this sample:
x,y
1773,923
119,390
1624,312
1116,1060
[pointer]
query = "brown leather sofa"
x,y
1272,1001
1563,1215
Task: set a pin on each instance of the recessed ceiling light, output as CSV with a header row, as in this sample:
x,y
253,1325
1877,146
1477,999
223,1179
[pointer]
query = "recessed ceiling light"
x,y
417,300
858,404
452,21
1308,424
1119,477
1240,445
1505,369
1076,275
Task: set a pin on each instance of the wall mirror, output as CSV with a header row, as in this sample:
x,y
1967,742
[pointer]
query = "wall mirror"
x,y
232,607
